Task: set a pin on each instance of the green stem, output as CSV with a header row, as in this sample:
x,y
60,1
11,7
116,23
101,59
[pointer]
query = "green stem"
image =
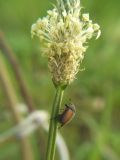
x,y
54,124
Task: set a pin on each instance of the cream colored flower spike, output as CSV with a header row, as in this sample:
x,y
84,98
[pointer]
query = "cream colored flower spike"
x,y
64,33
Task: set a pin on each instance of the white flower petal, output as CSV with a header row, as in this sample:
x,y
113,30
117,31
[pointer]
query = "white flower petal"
x,y
85,17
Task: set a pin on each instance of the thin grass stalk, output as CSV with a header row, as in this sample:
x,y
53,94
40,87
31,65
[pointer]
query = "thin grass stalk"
x,y
8,52
10,55
12,99
54,124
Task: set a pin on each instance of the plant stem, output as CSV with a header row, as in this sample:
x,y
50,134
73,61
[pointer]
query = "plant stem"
x,y
10,55
11,97
54,124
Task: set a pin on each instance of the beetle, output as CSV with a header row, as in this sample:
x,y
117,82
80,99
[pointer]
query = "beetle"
x,y
67,115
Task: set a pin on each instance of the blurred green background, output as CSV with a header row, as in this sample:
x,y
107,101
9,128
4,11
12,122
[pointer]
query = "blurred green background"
x,y
94,133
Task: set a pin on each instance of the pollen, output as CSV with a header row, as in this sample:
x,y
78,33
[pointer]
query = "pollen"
x,y
64,33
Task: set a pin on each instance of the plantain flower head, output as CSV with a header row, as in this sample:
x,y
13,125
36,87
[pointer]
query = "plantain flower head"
x,y
64,33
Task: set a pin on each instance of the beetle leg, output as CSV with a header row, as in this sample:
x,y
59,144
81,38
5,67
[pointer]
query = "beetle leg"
x,y
56,118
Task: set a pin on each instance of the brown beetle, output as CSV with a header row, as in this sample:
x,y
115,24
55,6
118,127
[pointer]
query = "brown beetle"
x,y
67,114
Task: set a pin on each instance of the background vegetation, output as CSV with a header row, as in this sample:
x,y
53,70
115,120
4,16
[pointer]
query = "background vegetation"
x,y
94,134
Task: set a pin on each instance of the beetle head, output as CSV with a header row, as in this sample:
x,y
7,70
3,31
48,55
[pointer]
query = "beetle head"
x,y
70,106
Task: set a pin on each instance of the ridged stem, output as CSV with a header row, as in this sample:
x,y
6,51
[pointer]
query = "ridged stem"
x,y
54,124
